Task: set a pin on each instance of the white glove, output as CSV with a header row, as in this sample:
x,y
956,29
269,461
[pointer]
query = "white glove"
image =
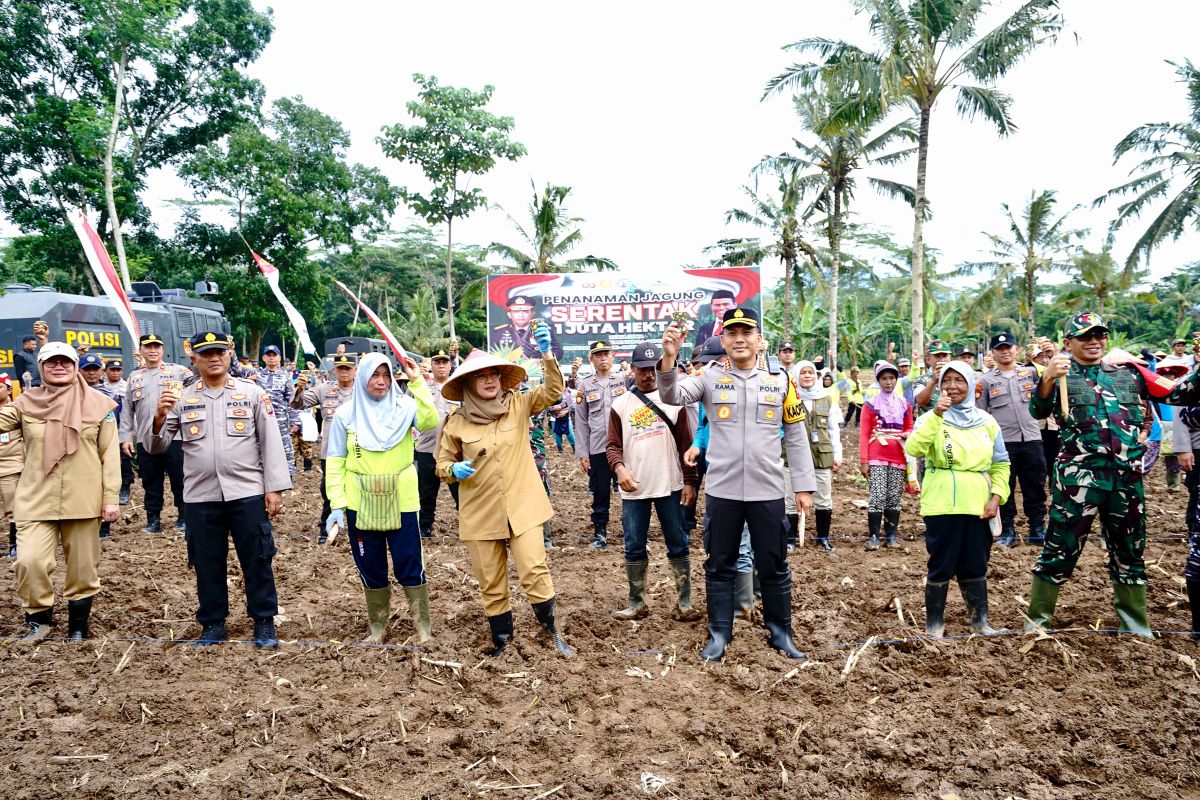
x,y
337,519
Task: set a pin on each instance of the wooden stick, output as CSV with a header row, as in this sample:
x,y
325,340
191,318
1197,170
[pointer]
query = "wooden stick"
x,y
1062,396
330,782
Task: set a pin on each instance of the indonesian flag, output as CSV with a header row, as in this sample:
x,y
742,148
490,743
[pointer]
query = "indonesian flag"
x,y
102,266
377,322
271,273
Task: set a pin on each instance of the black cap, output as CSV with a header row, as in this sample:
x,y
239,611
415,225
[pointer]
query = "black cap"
x,y
647,353
210,340
740,316
1002,338
599,346
787,346
150,338
965,351
343,360
711,350
520,300
440,355
723,294
114,363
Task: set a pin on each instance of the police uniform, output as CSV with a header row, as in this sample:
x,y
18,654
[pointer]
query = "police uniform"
x,y
1006,397
1099,473
279,387
116,391
141,397
593,400
509,335
329,396
425,459
744,408
233,456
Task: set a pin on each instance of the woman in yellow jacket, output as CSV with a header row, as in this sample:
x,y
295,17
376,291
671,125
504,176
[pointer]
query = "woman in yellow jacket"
x,y
966,480
485,447
372,487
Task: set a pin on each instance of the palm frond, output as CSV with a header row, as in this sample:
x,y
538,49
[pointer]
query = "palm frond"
x,y
991,104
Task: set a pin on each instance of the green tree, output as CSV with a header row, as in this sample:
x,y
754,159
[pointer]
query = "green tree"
x,y
552,234
1171,171
1096,280
1036,244
924,48
456,137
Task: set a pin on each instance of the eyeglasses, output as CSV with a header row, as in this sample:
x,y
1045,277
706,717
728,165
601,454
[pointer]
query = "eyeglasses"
x,y
1091,337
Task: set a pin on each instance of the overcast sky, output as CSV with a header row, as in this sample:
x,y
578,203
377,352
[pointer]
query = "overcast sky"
x,y
651,111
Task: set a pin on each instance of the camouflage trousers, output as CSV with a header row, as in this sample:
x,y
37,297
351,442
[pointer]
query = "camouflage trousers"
x,y
302,448
1118,498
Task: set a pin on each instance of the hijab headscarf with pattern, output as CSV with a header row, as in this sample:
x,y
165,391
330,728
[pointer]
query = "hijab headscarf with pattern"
x,y
889,407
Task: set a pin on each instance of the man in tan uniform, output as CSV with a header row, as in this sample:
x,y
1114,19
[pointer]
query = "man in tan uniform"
x,y
70,481
12,458
329,396
234,473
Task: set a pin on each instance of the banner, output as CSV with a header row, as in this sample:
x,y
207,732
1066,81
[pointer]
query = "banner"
x,y
271,273
621,308
383,329
106,276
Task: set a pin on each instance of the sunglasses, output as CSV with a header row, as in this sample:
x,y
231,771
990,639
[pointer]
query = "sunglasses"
x,y
1091,337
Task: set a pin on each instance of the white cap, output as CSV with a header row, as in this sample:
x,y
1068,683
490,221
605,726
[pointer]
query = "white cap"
x,y
53,349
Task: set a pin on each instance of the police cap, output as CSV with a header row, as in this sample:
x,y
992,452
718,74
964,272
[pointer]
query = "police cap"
x,y
210,340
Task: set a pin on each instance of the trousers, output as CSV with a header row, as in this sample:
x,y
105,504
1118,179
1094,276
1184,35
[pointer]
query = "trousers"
x,y
370,550
1028,465
635,523
154,467
724,520
428,486
210,525
600,484
489,563
126,471
958,545
8,493
37,546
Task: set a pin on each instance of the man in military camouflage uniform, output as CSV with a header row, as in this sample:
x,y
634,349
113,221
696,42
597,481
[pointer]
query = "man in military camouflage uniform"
x,y
925,387
1099,470
277,384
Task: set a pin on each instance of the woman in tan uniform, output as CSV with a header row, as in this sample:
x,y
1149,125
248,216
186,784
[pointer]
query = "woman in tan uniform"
x,y
70,481
485,447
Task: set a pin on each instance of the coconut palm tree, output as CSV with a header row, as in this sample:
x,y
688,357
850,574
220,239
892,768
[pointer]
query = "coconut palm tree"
x,y
551,235
1097,279
1171,171
925,48
1035,244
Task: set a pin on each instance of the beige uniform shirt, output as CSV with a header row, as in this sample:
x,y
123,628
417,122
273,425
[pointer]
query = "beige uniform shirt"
x,y
330,397
141,398
231,443
80,485
12,452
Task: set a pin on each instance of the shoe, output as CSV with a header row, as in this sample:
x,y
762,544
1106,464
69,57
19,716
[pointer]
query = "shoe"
x,y
824,523
322,535
720,619
212,633
1037,535
681,570
502,631
78,612
181,526
12,540
935,608
1130,602
544,612
874,523
1193,590
40,623
975,595
425,534
123,497
264,634
777,617
308,465
105,529
635,571
793,531
153,525
891,528
418,611
743,594
1008,535
547,543
379,610
1043,597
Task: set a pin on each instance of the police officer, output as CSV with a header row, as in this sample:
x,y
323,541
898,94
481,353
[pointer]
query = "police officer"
x,y
425,458
1098,470
234,472
329,396
141,398
115,387
277,383
517,332
593,400
745,403
1005,394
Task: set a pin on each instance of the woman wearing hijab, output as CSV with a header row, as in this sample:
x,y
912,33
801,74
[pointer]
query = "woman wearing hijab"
x,y
372,487
824,428
966,480
69,483
887,420
485,448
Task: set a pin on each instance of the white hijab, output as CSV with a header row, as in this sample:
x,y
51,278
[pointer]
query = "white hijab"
x,y
379,425
964,415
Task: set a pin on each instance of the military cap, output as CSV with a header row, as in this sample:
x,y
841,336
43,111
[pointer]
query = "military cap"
x,y
1001,339
91,360
150,338
343,360
904,362
1082,323
210,340
740,316
938,346
599,346
440,355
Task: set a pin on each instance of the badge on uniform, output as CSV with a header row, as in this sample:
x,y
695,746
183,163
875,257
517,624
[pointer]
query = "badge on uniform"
x,y
239,426
193,430
237,396
193,414
266,401
137,394
192,400
618,391
579,397
240,412
723,412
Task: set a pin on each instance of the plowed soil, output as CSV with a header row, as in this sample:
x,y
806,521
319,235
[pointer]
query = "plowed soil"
x,y
132,713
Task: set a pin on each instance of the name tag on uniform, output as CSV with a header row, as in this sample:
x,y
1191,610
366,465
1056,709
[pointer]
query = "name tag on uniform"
x,y
4,438
593,397
814,437
993,391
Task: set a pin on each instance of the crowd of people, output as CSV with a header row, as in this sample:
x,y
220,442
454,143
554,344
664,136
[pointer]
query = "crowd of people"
x,y
761,434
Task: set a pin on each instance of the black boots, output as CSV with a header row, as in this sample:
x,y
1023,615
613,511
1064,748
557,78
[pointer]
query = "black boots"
x,y
824,523
264,634
935,608
777,617
1008,534
1037,534
502,631
40,623
78,612
793,533
105,529
891,528
1193,590
720,619
213,633
308,465
874,523
544,612
153,524
975,595
123,498
599,536
12,540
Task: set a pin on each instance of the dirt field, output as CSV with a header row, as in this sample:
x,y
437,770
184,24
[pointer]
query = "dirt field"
x,y
1088,715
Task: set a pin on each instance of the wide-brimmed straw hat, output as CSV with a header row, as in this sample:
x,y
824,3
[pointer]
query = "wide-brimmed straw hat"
x,y
511,374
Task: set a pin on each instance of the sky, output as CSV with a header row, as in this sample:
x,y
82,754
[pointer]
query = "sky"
x,y
652,112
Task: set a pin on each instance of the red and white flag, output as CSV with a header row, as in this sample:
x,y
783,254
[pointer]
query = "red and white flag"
x,y
271,273
106,276
387,335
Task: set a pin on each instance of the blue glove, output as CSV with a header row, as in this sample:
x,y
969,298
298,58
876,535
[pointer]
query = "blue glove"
x,y
336,519
462,469
541,335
